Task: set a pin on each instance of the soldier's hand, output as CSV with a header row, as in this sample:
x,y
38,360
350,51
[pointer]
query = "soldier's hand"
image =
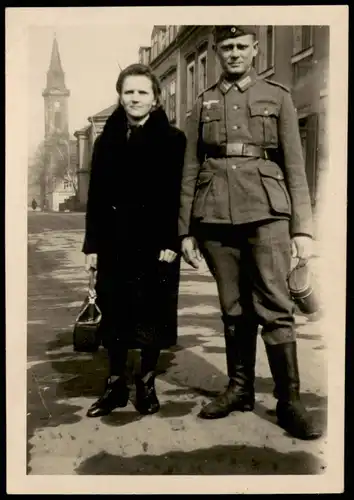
x,y
302,248
191,252
167,255
91,261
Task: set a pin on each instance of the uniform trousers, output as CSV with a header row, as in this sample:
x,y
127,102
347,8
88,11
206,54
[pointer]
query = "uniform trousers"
x,y
250,264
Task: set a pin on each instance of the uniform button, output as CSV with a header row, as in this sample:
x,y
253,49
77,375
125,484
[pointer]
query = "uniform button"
x,y
235,107
233,167
207,118
235,127
265,111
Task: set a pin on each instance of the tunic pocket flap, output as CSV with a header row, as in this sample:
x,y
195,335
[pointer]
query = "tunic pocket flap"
x,y
264,109
271,170
205,177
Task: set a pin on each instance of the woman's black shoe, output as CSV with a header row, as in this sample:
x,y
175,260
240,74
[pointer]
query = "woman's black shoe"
x,y
116,395
146,399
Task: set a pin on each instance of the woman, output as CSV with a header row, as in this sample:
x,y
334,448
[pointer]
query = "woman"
x,y
131,235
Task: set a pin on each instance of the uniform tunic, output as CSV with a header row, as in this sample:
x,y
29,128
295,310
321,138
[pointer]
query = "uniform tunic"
x,y
238,190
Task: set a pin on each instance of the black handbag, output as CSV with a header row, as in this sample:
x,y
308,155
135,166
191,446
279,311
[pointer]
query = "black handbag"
x,y
86,336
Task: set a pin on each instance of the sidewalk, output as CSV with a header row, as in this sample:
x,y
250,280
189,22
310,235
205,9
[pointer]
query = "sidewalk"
x,y
63,384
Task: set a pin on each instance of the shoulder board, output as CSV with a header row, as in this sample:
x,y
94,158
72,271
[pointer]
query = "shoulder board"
x,y
206,90
277,84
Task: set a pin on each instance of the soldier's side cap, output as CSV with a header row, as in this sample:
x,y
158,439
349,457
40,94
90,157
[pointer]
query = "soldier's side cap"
x,y
223,32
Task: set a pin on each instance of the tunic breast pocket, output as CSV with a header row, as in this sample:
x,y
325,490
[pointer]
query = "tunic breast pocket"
x,y
264,122
211,121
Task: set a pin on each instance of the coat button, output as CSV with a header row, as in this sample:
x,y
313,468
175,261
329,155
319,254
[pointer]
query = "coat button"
x,y
235,127
207,118
235,107
233,167
266,112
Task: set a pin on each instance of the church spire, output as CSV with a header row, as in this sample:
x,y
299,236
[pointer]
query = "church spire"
x,y
55,73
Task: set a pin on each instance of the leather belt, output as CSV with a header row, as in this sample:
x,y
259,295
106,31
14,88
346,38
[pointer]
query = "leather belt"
x,y
238,149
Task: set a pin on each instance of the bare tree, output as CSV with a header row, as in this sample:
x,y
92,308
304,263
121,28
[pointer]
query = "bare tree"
x,y
64,165
38,171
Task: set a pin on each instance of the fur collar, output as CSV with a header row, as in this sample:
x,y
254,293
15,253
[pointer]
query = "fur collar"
x,y
116,126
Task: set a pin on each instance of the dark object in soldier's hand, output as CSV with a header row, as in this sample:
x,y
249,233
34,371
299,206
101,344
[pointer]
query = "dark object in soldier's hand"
x,y
85,334
301,289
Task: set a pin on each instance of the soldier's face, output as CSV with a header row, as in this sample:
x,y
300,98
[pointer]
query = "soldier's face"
x,y
236,54
137,96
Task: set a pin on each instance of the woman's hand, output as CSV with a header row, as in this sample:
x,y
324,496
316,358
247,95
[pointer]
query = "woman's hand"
x,y
167,255
91,261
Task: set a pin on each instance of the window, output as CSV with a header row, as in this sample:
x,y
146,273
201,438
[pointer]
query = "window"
x,y
309,137
171,33
154,46
172,100
190,85
202,72
265,60
302,38
164,98
57,120
162,40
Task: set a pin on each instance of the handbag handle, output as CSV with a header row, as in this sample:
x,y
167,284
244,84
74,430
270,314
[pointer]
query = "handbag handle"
x,y
91,288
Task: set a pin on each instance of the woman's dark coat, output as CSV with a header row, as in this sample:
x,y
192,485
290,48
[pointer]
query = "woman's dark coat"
x,y
132,214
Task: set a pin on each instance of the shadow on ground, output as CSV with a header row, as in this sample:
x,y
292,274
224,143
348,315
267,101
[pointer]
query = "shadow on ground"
x,y
217,460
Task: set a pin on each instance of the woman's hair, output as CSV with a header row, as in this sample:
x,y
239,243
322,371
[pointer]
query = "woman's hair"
x,y
140,70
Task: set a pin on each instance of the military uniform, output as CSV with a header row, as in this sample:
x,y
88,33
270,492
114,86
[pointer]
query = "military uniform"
x,y
244,195
244,166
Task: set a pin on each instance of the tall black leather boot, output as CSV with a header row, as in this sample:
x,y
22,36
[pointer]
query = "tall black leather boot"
x,y
147,402
241,345
292,415
116,392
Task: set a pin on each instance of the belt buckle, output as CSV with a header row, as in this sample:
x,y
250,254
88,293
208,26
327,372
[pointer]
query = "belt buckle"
x,y
233,149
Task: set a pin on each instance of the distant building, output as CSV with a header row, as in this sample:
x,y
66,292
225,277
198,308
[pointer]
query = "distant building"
x,y
85,140
55,190
185,62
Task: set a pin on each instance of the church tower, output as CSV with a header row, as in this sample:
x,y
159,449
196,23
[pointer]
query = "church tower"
x,y
57,142
56,97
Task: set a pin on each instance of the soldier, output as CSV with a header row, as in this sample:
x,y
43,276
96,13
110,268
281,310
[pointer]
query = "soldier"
x,y
245,207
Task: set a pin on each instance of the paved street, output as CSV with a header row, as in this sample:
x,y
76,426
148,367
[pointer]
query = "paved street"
x,y
63,384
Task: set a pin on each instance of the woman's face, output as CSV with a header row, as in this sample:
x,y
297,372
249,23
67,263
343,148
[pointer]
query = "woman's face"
x,y
137,96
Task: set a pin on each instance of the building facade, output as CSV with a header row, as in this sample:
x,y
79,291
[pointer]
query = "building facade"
x,y
59,149
297,56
